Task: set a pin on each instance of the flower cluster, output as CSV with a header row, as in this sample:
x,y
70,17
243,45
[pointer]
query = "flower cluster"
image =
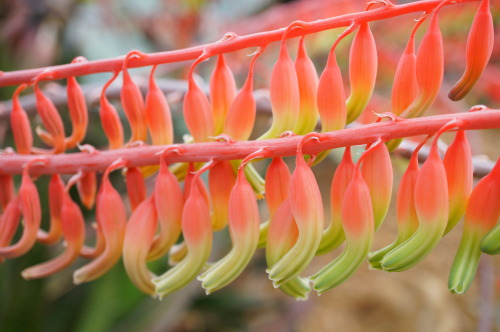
x,y
180,215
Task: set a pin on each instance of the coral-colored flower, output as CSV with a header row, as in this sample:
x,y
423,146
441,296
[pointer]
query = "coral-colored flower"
x,y
7,192
87,189
136,188
490,244
110,120
56,197
197,233
479,49
307,78
9,221
244,230
133,103
458,164
481,216
333,235
139,236
362,71
222,93
277,184
157,113
169,202
307,208
77,110
20,123
358,225
221,180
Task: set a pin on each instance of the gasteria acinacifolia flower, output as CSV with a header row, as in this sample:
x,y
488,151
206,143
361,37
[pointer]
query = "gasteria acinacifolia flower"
x,y
177,213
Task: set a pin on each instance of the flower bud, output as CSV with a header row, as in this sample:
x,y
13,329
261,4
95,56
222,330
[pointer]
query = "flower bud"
x,y
331,97
77,110
244,230
222,93
20,124
110,120
9,221
56,197
221,180
136,188
87,189
6,190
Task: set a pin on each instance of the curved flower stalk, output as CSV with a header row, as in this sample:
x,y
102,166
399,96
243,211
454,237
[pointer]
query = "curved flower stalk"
x,y
458,164
307,78
111,223
481,216
307,209
333,235
358,225
73,231
405,209
281,238
432,207
244,230
222,93
197,232
479,49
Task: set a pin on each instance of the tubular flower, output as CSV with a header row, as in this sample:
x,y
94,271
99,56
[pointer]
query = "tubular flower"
x,y
197,232
333,235
362,71
240,117
136,188
490,243
87,189
139,235
479,49
307,209
77,110
56,198
405,210
429,69
458,164
197,114
331,96
483,211
358,225
157,113
281,238
73,231
133,102
110,120
29,203
222,93
307,78
7,191
244,229
432,206
285,95
169,202
377,173
221,180
20,123
277,187
9,221
111,224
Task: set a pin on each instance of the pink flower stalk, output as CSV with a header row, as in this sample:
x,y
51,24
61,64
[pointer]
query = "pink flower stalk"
x,y
197,233
479,49
307,78
244,230
432,207
221,180
481,216
362,71
111,224
169,202
222,93
333,235
139,236
29,203
285,95
73,231
307,209
458,164
56,198
240,117
377,173
281,238
358,225
21,129
405,209
133,102
157,113
110,119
